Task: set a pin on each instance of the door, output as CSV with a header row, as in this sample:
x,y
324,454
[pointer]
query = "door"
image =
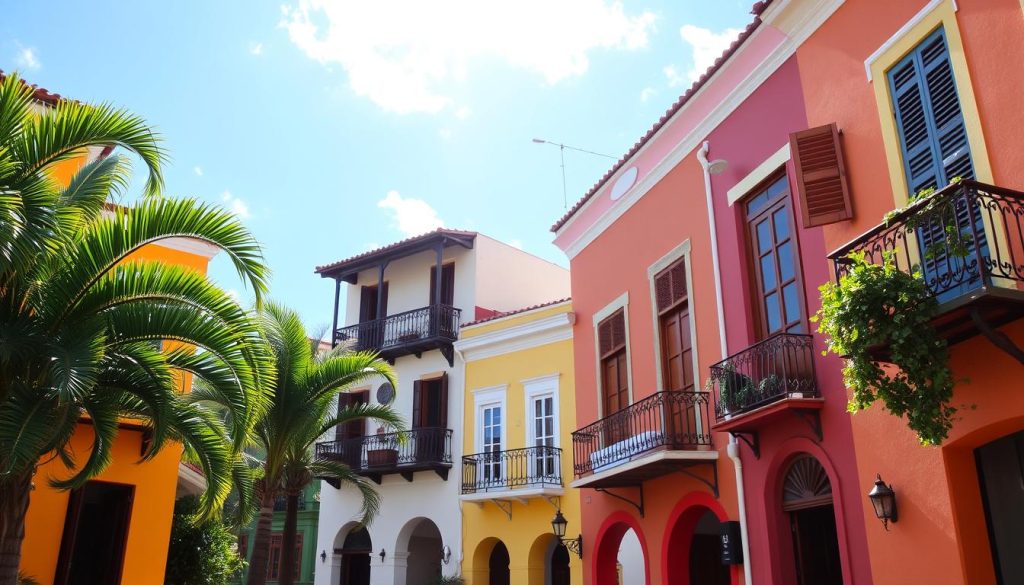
x,y
95,534
349,435
430,418
559,565
371,312
543,432
497,566
611,334
1001,475
490,434
816,546
672,299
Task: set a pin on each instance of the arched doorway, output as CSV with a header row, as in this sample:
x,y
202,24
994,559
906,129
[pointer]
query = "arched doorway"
x,y
558,566
629,563
705,554
355,554
807,500
1000,469
497,565
424,546
620,551
693,549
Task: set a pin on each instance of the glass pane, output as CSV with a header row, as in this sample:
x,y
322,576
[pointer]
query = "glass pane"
x,y
792,302
497,414
778,187
549,427
487,417
757,203
548,402
768,273
781,218
774,315
764,236
536,408
787,270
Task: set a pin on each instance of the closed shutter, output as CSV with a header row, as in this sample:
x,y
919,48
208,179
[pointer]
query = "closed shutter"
x,y
611,333
670,286
443,399
447,284
820,175
417,404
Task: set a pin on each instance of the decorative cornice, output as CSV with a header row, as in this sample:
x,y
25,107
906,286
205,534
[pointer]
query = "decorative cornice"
x,y
518,337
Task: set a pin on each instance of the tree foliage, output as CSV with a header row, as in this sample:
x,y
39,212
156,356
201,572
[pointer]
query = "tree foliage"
x,y
202,551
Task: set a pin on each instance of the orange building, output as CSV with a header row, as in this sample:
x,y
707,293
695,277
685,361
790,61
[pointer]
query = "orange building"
x,y
123,517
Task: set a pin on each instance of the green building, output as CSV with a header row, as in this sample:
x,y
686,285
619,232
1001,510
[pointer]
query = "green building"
x,y
305,542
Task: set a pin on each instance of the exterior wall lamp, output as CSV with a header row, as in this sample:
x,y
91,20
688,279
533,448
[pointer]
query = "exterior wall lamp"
x,y
382,555
558,526
883,499
446,554
323,556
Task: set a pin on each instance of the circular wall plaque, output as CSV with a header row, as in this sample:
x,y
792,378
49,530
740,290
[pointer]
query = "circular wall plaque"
x,y
386,393
623,183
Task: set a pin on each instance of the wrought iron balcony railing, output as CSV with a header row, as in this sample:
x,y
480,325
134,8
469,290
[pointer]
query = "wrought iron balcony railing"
x,y
781,366
404,452
532,467
404,333
966,236
665,420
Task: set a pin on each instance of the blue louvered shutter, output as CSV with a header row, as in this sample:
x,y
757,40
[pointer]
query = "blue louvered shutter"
x,y
933,141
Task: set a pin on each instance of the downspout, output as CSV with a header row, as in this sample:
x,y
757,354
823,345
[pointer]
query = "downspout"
x,y
733,449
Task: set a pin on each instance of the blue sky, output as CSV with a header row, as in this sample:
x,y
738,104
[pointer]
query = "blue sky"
x,y
332,127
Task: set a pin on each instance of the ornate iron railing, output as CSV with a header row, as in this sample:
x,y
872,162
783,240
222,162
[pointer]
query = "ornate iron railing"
x,y
958,239
512,469
664,420
391,451
781,366
408,328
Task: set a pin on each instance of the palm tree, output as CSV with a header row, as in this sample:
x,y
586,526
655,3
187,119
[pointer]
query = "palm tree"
x,y
302,411
81,318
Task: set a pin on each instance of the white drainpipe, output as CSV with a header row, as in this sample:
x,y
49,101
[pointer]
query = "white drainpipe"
x,y
733,449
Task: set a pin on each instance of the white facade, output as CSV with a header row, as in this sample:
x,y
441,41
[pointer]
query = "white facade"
x,y
491,275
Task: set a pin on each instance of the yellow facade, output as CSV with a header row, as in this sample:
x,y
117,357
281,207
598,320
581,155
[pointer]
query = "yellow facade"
x,y
516,359
154,482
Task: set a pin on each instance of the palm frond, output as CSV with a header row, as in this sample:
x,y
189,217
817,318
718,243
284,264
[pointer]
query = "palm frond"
x,y
346,477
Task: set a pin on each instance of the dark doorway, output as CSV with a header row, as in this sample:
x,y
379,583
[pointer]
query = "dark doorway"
x,y
350,434
1001,474
807,496
95,534
497,566
706,566
355,558
560,565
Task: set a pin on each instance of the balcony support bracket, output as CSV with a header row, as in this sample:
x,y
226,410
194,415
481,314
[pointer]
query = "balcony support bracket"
x,y
376,477
638,505
752,440
407,475
505,506
713,484
813,420
555,501
448,351
998,338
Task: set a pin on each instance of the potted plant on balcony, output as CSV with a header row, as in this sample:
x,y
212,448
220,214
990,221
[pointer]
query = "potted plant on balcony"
x,y
735,389
385,451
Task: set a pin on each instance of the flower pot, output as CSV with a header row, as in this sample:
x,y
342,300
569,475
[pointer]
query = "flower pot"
x,y
382,457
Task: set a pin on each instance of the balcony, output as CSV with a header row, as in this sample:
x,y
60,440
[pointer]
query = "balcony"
x,y
513,474
374,456
409,333
661,434
764,382
967,243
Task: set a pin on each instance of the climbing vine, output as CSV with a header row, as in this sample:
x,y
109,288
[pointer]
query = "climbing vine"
x,y
875,306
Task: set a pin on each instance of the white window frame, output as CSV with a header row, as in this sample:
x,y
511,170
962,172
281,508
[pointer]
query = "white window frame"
x,y
622,302
541,387
488,398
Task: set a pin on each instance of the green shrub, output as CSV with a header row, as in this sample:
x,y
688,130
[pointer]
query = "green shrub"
x,y
201,552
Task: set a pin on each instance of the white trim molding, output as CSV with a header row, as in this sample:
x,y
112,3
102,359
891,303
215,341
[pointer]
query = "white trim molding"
x,y
542,331
902,32
621,302
759,174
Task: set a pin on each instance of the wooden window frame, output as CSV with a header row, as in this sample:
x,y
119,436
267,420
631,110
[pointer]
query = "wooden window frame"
x,y
620,303
674,306
615,352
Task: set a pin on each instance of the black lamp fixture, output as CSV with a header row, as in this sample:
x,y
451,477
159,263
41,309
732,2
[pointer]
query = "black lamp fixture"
x,y
883,498
558,526
323,556
382,555
446,554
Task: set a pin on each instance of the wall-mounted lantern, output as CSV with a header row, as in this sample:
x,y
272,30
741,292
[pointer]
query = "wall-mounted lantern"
x,y
446,554
382,555
323,556
558,526
883,498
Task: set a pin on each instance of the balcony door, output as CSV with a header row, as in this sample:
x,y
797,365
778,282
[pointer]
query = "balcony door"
x,y
778,294
611,336
490,435
430,417
447,284
348,435
673,306
542,431
371,308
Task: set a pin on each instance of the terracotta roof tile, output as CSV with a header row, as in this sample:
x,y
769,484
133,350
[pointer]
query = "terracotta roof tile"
x,y
40,94
501,314
389,247
756,10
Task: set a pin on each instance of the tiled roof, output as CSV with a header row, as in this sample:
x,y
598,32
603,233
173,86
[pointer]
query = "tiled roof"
x,y
501,315
757,9
391,247
40,94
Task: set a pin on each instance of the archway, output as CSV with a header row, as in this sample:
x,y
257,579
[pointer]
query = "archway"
x,y
355,554
620,550
497,565
558,572
549,562
423,543
691,551
807,501
1000,466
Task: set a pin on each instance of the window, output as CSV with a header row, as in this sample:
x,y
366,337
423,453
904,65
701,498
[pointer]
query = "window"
x,y
430,403
773,250
543,430
490,433
447,284
274,560
368,303
673,308
611,336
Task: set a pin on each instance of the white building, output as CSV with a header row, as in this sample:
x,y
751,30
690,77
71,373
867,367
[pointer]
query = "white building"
x,y
413,320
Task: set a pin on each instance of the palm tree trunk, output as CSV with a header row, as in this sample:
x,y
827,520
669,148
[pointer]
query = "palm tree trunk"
x,y
291,520
14,496
261,541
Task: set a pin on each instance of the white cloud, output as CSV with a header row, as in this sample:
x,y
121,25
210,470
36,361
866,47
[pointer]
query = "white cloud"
x,y
463,113
411,216
675,78
445,133
233,293
707,46
403,64
198,170
236,205
27,58
256,49
647,93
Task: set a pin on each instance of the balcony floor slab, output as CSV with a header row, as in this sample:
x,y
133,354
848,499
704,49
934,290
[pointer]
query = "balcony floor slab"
x,y
644,467
752,420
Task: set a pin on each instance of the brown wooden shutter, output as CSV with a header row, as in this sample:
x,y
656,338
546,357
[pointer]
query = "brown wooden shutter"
x,y
670,286
443,406
417,404
611,333
447,284
820,175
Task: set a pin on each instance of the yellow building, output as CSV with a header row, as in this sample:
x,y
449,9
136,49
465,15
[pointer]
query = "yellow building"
x,y
518,415
123,517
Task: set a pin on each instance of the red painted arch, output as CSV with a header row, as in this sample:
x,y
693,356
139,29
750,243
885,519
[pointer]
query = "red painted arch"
x,y
682,521
783,564
606,549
